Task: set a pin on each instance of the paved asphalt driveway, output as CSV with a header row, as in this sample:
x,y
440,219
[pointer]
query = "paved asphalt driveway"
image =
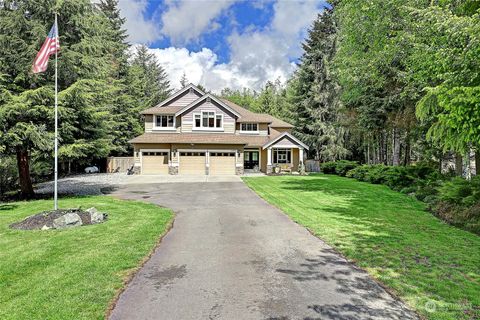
x,y
230,255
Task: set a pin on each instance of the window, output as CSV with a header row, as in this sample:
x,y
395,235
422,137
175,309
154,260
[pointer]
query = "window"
x,y
249,127
208,119
164,121
282,155
151,153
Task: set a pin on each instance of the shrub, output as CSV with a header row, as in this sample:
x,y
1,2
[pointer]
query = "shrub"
x,y
340,167
460,191
359,172
328,167
343,166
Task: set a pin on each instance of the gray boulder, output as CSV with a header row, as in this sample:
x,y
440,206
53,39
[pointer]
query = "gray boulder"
x,y
66,221
95,216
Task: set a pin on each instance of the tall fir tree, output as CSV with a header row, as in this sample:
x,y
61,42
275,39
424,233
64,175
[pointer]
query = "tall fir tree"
x,y
316,92
85,65
184,80
147,78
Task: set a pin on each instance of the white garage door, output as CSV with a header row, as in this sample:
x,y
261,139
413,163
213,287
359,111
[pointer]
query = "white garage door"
x,y
154,162
222,163
192,163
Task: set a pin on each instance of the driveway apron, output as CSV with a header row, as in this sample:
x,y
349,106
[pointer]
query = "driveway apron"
x,y
230,255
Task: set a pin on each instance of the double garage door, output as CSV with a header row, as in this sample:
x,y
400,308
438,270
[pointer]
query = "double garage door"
x,y
193,163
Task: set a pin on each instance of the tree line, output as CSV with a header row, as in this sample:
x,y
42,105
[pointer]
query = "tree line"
x,y
103,84
385,82
379,82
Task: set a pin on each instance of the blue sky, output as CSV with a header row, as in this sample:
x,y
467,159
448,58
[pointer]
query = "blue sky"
x,y
221,44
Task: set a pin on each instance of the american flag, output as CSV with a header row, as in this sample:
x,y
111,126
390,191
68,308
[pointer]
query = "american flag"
x,y
50,46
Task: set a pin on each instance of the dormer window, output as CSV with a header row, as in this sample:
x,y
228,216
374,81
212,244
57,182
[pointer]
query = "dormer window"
x,y
164,121
249,127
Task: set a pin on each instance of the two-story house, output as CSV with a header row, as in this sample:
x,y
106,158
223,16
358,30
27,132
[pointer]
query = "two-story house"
x,y
193,132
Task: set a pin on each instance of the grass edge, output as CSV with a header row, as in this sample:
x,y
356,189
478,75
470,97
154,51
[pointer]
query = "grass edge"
x,y
131,273
390,291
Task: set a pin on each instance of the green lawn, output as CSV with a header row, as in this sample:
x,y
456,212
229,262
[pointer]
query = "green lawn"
x,y
432,266
73,274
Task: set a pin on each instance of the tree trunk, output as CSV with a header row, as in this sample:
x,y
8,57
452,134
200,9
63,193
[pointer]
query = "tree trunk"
x,y
458,164
26,187
477,162
406,159
396,148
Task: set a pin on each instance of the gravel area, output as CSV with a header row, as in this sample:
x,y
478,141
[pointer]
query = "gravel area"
x,y
85,184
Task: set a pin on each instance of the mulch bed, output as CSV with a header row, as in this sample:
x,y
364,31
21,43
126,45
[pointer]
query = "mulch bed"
x,y
41,219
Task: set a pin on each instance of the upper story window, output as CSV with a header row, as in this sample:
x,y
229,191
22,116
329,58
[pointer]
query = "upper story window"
x,y
249,127
208,120
164,121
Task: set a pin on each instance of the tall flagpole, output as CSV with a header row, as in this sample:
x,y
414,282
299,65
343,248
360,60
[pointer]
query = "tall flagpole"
x,y
55,195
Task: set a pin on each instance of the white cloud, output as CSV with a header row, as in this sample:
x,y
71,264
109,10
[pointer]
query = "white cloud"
x,y
186,20
140,29
256,55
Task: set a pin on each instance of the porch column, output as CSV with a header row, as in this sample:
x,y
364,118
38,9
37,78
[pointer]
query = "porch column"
x,y
269,160
300,155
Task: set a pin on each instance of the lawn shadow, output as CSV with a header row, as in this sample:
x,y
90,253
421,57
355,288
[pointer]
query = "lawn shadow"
x,y
8,206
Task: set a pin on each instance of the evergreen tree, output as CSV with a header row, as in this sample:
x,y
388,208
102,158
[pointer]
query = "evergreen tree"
x,y
316,92
111,10
244,98
148,79
85,65
183,80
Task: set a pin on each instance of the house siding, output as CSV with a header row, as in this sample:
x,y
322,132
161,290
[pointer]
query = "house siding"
x,y
148,123
183,100
285,143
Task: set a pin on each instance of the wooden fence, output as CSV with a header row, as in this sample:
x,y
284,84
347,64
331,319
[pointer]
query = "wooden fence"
x,y
119,164
312,165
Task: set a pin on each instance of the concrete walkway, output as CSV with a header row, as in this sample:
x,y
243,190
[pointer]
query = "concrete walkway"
x,y
230,255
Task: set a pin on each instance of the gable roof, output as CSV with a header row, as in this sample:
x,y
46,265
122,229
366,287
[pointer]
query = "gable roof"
x,y
283,135
173,97
249,116
213,98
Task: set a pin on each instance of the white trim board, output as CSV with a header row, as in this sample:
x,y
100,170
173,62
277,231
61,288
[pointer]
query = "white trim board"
x,y
283,135
213,98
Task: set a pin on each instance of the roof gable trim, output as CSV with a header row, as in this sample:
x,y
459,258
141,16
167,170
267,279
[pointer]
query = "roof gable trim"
x,y
179,93
204,97
283,135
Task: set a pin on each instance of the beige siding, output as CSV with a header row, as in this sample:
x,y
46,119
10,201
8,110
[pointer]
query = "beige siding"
x,y
148,123
186,127
183,100
285,143
229,127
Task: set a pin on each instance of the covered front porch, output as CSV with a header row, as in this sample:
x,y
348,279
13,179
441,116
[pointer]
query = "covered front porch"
x,y
284,154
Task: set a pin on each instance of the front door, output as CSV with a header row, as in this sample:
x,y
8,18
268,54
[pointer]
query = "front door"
x,y
251,159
